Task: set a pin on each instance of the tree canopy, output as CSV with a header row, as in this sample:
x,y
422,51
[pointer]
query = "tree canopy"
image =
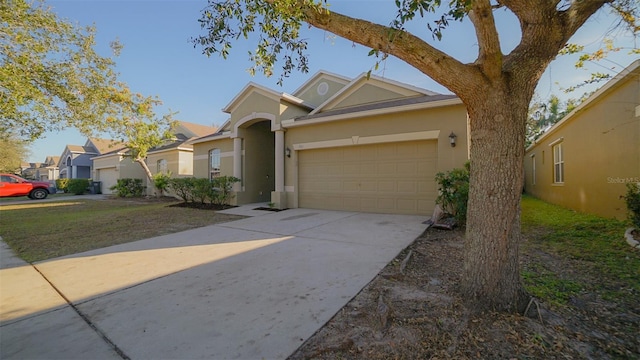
x,y
52,78
496,88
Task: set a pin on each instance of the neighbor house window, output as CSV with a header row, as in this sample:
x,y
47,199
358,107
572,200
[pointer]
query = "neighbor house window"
x,y
162,166
533,169
214,163
558,163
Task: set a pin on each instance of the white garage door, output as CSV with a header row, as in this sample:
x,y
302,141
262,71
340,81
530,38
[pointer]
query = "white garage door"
x,y
395,178
108,177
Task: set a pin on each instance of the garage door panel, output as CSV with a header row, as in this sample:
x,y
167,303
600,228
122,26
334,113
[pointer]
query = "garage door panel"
x,y
387,178
108,177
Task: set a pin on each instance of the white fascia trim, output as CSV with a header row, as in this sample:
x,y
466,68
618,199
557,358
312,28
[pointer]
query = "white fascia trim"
x,y
224,135
334,77
296,101
289,123
402,85
556,141
169,150
99,157
250,87
365,140
603,90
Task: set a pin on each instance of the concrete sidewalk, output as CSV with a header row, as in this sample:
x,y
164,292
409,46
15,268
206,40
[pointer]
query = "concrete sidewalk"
x,y
249,289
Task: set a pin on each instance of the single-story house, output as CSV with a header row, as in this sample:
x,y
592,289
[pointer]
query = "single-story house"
x,y
75,161
584,161
175,157
364,144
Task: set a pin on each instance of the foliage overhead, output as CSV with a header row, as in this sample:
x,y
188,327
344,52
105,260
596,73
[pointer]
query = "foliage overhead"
x,y
14,151
52,78
496,88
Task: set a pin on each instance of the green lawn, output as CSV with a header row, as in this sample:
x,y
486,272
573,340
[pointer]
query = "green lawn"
x,y
590,254
42,230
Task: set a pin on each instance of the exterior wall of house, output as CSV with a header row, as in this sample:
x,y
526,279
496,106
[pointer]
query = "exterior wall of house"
x,y
367,94
316,95
201,157
445,120
601,145
173,161
255,103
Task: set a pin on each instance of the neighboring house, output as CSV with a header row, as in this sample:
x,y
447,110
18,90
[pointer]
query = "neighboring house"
x,y
363,144
44,171
584,161
175,157
75,161
114,165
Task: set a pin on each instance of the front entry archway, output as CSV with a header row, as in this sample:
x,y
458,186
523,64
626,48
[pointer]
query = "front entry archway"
x,y
258,166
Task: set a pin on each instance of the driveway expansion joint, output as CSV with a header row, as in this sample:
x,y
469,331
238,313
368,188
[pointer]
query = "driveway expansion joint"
x,y
85,318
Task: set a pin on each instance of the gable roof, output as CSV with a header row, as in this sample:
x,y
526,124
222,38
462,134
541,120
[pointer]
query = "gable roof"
x,y
364,79
103,145
404,104
321,74
194,130
632,70
252,87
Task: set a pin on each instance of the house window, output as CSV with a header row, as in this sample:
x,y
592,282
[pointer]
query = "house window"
x,y
533,169
214,163
162,166
558,164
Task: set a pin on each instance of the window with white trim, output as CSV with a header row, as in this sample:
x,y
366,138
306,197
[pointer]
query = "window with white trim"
x,y
558,163
161,166
214,163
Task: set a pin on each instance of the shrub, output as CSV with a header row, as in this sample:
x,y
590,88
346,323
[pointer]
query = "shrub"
x,y
161,182
454,192
183,187
78,186
222,186
202,190
632,198
61,184
129,188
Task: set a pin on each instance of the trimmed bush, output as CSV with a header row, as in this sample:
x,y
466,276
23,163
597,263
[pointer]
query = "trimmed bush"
x,y
161,182
77,186
632,198
222,190
202,190
183,187
454,192
61,184
129,188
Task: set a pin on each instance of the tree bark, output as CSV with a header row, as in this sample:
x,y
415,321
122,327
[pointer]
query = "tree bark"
x,y
491,276
146,171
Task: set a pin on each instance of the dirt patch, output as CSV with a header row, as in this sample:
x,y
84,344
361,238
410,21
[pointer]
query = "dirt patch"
x,y
417,314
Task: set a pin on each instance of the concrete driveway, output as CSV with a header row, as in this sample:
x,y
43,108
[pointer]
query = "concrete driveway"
x,y
256,288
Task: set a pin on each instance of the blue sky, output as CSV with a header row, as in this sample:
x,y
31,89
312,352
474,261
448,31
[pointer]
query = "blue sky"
x,y
159,59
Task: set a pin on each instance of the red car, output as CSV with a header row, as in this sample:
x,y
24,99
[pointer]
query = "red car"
x,y
12,185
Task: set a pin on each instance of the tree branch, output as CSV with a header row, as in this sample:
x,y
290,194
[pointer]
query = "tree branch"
x,y
403,45
490,55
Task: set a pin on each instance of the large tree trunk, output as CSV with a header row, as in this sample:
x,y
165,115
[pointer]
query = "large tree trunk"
x,y
146,171
491,277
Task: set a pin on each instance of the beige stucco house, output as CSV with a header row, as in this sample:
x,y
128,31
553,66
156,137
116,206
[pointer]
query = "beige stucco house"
x,y
175,157
363,144
584,161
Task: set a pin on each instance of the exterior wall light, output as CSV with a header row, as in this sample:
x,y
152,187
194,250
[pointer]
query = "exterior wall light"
x,y
287,152
452,139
